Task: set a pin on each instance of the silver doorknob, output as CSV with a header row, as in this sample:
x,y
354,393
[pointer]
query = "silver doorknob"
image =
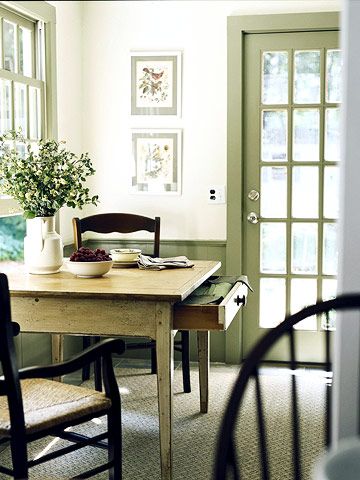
x,y
252,217
254,195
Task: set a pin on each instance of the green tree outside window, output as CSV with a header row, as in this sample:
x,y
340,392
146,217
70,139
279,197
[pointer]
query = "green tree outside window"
x,y
12,233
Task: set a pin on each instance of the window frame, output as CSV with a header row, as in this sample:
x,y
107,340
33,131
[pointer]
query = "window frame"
x,y
44,17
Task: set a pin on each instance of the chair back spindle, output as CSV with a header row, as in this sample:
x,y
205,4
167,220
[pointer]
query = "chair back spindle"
x,y
227,454
261,427
294,404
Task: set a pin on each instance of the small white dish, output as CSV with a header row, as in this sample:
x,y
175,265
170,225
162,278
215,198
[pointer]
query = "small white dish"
x,y
89,269
125,254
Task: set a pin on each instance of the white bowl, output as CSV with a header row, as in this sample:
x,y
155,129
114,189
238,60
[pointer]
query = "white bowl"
x,y
89,269
125,254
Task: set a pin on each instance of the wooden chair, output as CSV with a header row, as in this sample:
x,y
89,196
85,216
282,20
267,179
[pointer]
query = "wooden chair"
x,y
33,407
129,223
228,457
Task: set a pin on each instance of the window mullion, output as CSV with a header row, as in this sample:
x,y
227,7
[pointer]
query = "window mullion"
x,y
39,49
12,105
17,49
27,111
2,59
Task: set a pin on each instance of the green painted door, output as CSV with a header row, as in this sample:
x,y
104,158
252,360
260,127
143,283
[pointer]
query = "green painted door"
x,y
291,154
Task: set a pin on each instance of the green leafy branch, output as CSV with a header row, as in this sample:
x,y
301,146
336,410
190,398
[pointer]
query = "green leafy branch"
x,y
44,181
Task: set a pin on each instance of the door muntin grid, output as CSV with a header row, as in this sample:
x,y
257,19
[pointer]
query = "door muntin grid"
x,y
299,151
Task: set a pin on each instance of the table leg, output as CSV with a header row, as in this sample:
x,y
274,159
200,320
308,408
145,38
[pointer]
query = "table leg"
x,y
203,345
57,350
165,369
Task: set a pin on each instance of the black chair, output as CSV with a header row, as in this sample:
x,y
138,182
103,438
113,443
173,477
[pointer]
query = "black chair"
x,y
129,223
228,456
33,407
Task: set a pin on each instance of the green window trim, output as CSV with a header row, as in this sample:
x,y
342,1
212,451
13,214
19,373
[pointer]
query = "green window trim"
x,y
43,15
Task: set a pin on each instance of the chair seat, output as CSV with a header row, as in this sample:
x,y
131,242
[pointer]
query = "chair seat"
x,y
48,403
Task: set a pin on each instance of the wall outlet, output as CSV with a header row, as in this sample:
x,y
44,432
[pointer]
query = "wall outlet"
x,y
216,194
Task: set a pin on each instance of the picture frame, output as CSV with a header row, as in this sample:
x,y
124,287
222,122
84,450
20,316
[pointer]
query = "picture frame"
x,y
156,161
156,83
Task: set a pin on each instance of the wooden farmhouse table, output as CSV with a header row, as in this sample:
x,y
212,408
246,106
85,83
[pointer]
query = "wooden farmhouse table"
x,y
130,302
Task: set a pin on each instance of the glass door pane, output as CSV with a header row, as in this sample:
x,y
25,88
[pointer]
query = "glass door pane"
x,y
333,76
274,135
307,76
303,294
273,192
270,289
273,248
306,134
275,78
331,192
330,249
304,248
332,134
305,192
328,292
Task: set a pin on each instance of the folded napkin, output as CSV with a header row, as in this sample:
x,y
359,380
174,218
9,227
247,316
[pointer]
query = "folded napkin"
x,y
149,263
232,280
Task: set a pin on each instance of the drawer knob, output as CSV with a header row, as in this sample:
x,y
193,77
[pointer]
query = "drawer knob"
x,y
240,300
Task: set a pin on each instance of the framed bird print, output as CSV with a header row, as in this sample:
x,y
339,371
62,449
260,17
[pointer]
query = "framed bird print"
x,y
156,161
156,83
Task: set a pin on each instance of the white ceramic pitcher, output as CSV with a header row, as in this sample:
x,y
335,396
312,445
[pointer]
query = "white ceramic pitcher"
x,y
43,248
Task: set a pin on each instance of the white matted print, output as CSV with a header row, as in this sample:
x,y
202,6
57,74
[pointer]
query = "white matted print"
x,y
157,161
156,83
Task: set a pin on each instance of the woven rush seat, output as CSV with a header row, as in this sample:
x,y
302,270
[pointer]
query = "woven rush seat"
x,y
34,406
48,403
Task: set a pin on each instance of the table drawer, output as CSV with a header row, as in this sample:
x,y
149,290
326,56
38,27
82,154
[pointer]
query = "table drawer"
x,y
211,317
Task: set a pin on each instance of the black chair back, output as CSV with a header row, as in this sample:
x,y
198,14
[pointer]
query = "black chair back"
x,y
227,464
10,385
117,222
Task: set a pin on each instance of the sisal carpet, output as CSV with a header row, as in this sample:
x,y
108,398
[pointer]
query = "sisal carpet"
x,y
195,434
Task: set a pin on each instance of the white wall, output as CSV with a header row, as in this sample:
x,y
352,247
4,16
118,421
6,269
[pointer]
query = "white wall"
x,y
125,26
69,86
101,58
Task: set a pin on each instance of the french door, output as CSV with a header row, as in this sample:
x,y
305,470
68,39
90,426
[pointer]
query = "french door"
x,y
291,152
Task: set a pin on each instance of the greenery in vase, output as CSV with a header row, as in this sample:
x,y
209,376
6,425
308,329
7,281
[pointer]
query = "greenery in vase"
x,y
45,178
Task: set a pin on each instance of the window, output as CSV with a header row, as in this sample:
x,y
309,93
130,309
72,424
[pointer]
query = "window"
x,y
23,89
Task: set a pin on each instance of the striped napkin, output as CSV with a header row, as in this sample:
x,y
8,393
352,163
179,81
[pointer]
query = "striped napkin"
x,y
149,263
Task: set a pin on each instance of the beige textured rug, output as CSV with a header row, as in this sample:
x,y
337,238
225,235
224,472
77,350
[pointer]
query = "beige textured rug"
x,y
195,434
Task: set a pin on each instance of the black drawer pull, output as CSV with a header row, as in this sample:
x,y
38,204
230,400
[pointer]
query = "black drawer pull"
x,y
240,300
